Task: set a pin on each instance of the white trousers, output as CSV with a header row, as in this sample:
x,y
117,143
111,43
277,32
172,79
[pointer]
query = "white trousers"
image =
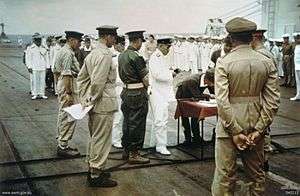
x,y
31,83
159,129
38,82
297,76
280,69
117,123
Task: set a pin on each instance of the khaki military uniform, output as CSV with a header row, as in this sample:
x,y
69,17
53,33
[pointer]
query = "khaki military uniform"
x,y
66,64
287,51
96,83
267,146
247,94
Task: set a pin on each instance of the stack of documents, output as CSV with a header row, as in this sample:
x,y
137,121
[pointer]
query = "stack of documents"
x,y
211,103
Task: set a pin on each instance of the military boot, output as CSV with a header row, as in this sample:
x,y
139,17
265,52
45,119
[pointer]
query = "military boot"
x,y
67,152
125,155
101,181
136,158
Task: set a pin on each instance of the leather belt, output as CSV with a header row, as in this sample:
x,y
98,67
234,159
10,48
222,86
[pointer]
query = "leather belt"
x,y
134,86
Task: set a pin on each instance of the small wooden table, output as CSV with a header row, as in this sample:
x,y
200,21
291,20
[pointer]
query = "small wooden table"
x,y
191,108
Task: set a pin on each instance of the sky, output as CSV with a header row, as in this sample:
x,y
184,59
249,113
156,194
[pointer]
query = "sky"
x,y
154,16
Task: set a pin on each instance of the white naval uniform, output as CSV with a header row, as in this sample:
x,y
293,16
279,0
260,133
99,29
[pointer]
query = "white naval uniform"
x,y
53,54
192,57
161,94
199,48
297,70
118,116
180,56
278,58
37,61
27,65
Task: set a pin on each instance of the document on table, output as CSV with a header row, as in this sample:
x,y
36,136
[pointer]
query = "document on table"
x,y
212,103
77,111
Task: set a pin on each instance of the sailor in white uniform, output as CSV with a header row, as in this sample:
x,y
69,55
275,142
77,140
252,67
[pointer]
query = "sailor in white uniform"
x,y
36,61
161,93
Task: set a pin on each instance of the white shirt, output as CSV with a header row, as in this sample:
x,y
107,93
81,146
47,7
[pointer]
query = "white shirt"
x,y
36,57
161,79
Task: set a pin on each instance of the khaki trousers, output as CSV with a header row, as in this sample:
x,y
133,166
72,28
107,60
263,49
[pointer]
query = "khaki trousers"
x,y
100,127
225,173
65,129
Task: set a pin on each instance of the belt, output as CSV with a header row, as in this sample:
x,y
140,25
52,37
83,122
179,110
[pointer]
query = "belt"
x,y
134,86
244,99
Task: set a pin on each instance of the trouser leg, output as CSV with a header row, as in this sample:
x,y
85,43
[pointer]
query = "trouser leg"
x,y
267,146
100,128
31,83
117,131
41,82
65,128
187,129
225,171
285,73
34,82
253,161
195,129
134,109
160,124
297,76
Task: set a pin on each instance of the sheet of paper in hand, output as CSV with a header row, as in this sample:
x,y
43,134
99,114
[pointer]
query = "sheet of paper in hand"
x,y
77,111
212,103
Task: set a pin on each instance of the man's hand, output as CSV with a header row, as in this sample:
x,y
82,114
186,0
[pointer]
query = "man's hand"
x,y
254,137
241,141
87,102
29,70
69,100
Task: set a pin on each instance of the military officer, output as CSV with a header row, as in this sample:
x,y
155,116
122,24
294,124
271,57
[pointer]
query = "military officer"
x,y
297,66
96,84
287,52
161,93
150,47
36,61
66,67
134,74
194,86
258,45
247,95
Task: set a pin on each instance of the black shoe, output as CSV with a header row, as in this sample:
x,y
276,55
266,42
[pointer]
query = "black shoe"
x,y
104,174
100,181
266,166
186,143
125,155
136,158
67,152
284,84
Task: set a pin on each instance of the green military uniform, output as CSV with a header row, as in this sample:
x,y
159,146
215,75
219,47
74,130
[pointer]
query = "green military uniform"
x,y
66,64
246,89
132,71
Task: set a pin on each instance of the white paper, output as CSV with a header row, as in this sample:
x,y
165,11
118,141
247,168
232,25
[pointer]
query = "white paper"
x,y
77,111
212,103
